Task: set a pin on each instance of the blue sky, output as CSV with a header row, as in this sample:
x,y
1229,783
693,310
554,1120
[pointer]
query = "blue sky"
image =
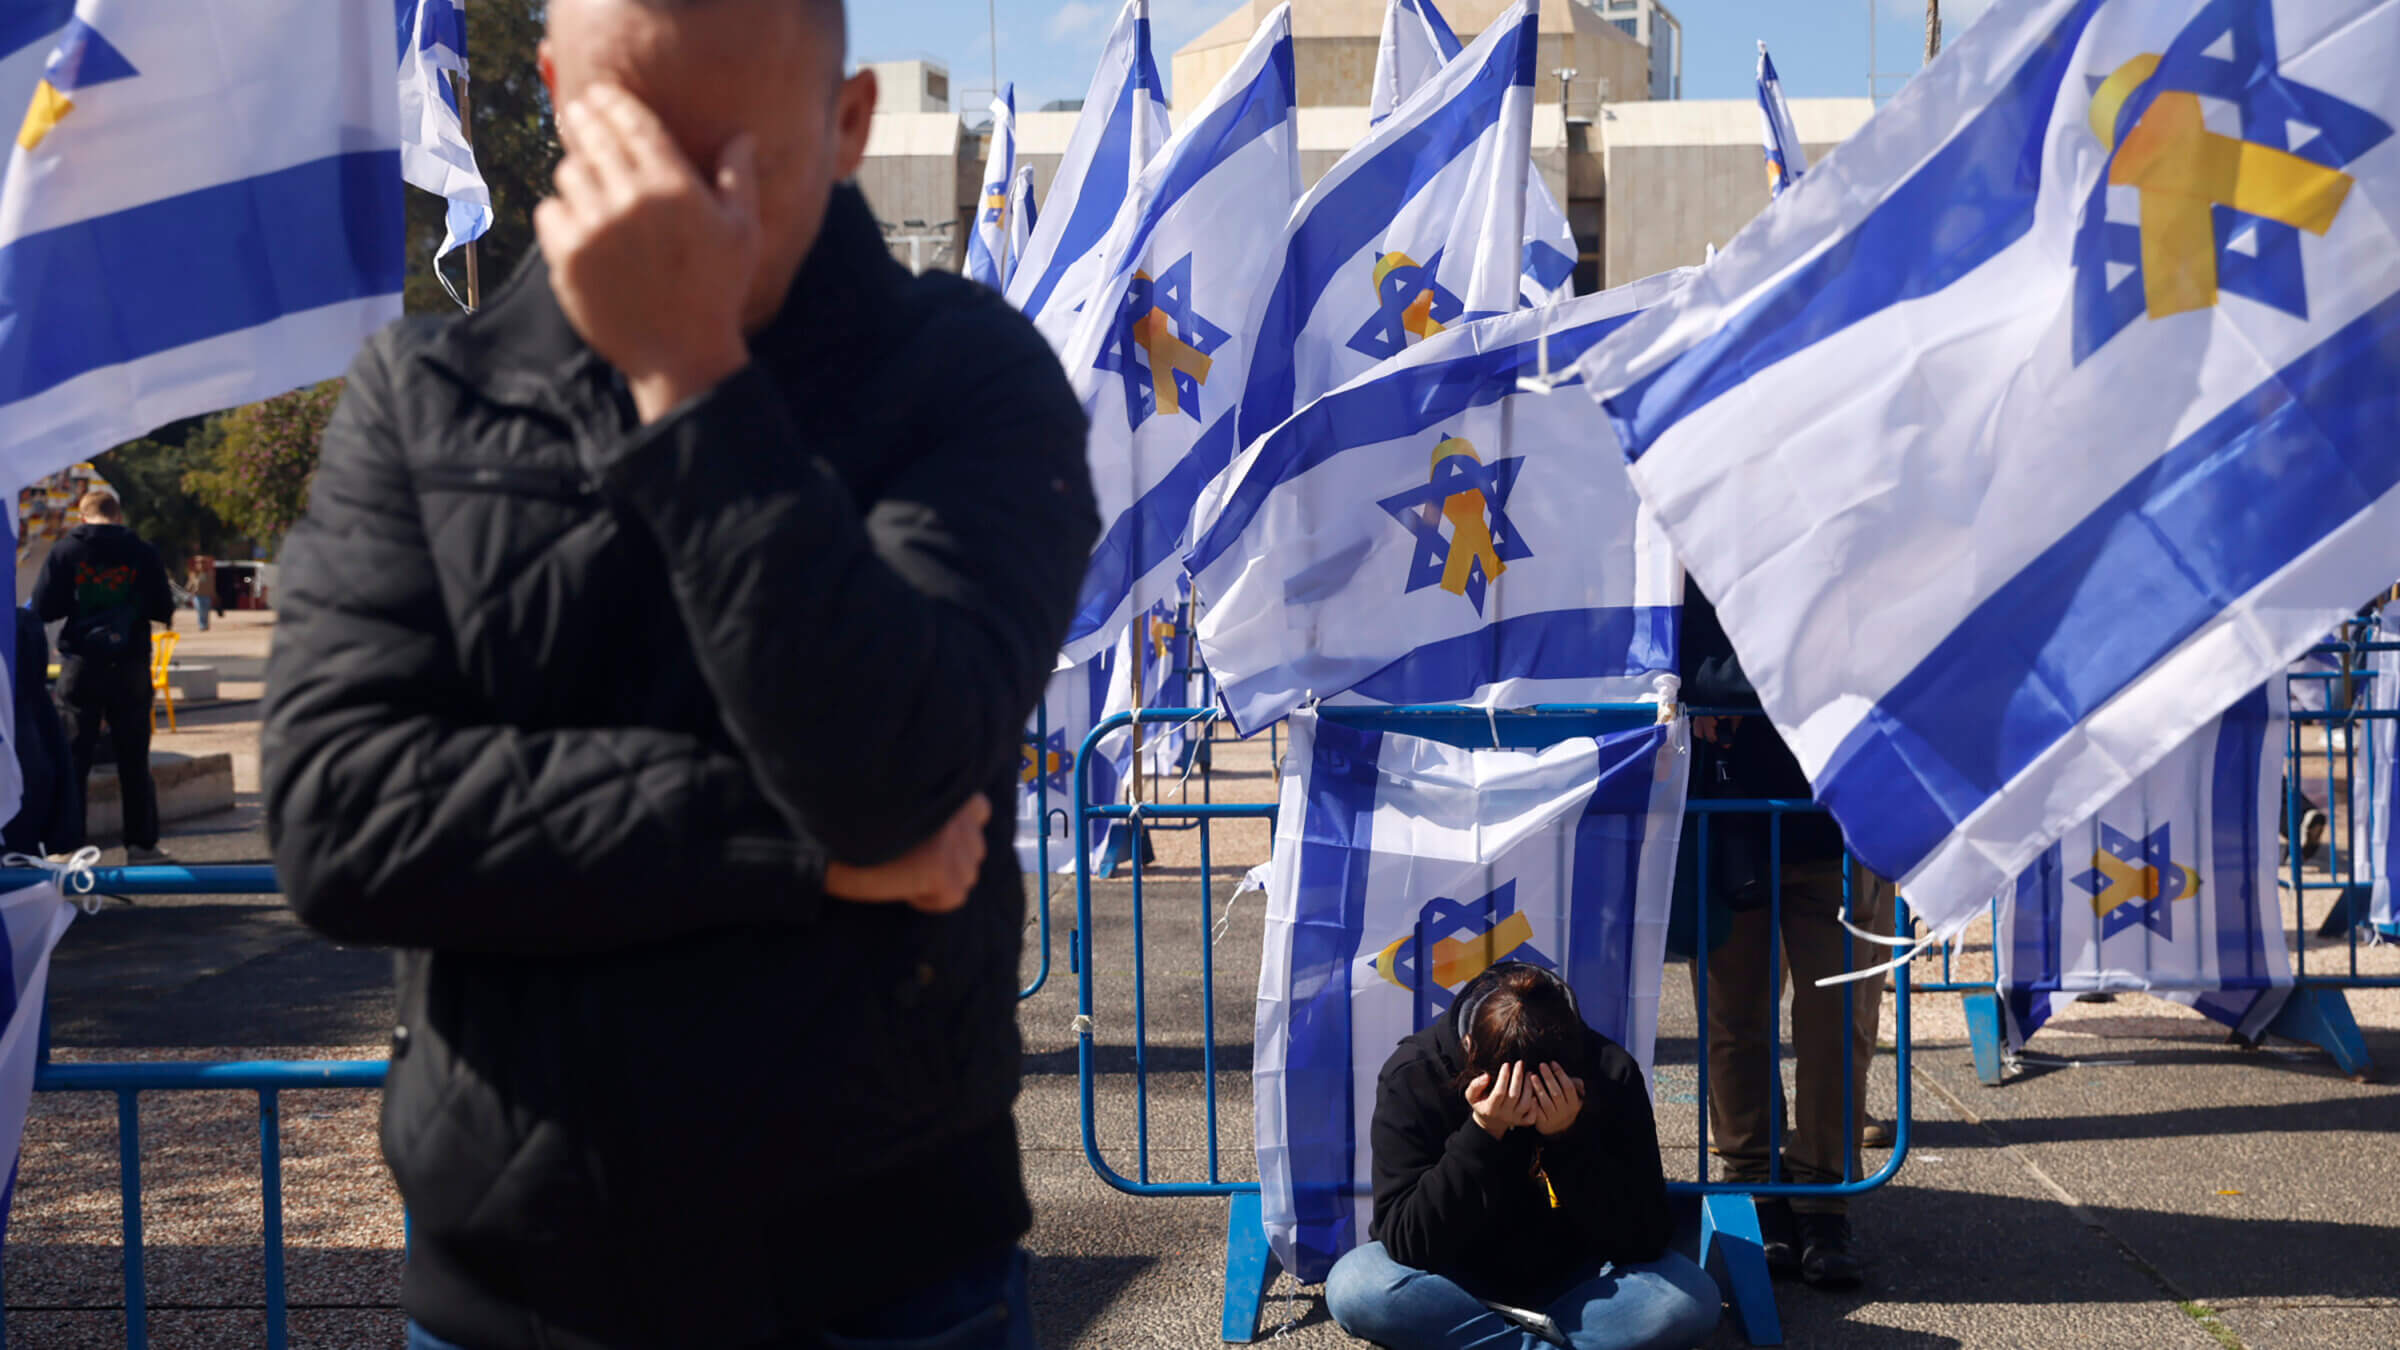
x,y
1048,46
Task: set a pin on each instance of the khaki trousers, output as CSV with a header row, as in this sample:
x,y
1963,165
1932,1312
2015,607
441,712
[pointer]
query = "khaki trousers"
x,y
1743,999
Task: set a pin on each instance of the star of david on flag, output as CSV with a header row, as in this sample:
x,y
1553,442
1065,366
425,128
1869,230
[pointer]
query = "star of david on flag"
x,y
1471,499
1456,940
1056,761
2217,213
2136,881
1411,305
1161,347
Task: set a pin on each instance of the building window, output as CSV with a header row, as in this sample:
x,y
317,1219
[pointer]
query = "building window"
x,y
937,88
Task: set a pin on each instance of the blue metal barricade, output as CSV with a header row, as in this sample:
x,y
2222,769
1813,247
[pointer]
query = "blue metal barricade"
x,y
1728,1219
127,1081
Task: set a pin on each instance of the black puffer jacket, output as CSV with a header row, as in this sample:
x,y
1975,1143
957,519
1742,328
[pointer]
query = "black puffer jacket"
x,y
578,711
1451,1199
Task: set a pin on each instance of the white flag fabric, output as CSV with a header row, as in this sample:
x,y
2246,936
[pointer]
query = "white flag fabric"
x,y
35,917
2169,889
2378,864
1417,43
1433,533
989,248
1404,868
1161,356
1787,159
1419,228
434,153
202,208
1123,123
1021,215
2045,418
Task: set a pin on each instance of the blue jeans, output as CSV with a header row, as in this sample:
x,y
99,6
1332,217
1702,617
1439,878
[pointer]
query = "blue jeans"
x,y
1667,1304
982,1307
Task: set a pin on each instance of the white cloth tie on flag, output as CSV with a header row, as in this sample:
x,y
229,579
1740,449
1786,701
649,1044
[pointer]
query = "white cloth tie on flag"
x,y
1432,533
434,153
1161,356
202,208
1417,43
1418,229
1404,868
2009,461
2169,889
990,253
1786,158
1123,123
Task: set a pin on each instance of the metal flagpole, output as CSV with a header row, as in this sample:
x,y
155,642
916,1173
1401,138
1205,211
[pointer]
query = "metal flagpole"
x,y
466,128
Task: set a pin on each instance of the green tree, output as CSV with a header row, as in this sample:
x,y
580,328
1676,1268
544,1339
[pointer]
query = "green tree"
x,y
515,148
149,476
258,472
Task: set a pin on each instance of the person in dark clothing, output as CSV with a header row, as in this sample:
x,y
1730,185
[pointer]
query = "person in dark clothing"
x,y
49,817
651,653
1516,1165
109,586
1743,757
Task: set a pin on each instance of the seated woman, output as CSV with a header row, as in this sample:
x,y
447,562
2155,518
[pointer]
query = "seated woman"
x,y
1516,1164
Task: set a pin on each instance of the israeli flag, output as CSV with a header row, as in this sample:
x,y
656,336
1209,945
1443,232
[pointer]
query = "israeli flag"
x,y
989,251
155,263
26,22
1402,869
1432,532
1787,159
2378,862
1160,360
2169,889
1124,122
1417,43
1021,215
434,153
34,918
2044,419
1417,230
1076,701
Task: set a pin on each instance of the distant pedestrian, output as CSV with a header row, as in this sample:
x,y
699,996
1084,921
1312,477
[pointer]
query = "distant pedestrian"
x,y
201,579
109,586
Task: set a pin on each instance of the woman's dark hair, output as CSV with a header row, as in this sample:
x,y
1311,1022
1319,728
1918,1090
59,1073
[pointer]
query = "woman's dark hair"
x,y
1518,1012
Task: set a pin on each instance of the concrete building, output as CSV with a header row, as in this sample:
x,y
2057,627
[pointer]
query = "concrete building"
x,y
1648,183
911,86
1656,28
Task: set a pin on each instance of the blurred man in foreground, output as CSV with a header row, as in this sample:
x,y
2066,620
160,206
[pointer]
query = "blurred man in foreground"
x,y
652,653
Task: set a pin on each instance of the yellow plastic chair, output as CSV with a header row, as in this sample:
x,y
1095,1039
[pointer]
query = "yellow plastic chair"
x,y
162,654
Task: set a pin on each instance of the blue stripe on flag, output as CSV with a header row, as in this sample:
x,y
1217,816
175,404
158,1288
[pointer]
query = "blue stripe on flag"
x,y
1566,644
1404,402
1356,211
25,22
1149,531
1607,877
2275,473
2034,957
1105,181
1972,199
1328,921
169,273
2234,843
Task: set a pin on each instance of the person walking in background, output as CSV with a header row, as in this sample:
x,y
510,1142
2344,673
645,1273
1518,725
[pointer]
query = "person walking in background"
x,y
201,580
655,645
109,586
49,817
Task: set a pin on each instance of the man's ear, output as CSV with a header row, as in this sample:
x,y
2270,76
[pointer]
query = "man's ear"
x,y
853,118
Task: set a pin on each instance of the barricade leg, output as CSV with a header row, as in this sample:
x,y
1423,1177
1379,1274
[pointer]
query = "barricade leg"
x,y
1249,1265
1985,1036
2320,1016
1730,1250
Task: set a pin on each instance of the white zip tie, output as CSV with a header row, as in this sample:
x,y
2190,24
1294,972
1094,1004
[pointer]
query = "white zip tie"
x,y
1082,1025
73,877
